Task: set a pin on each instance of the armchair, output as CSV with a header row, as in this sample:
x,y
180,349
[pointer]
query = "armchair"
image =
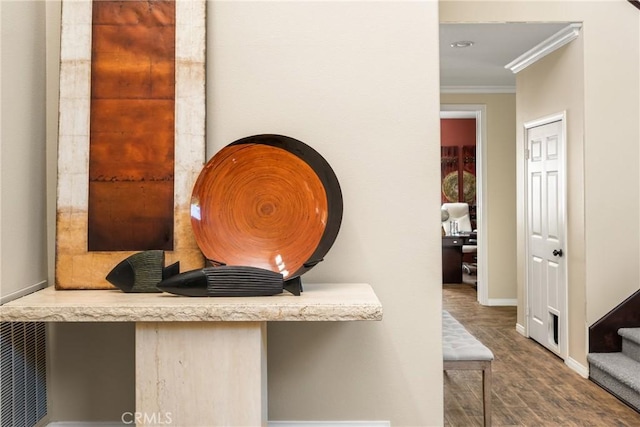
x,y
456,212
459,212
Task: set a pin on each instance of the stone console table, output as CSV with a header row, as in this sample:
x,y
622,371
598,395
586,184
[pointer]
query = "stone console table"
x,y
199,361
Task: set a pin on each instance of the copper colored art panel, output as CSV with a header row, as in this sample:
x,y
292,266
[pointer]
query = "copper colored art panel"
x,y
131,157
131,135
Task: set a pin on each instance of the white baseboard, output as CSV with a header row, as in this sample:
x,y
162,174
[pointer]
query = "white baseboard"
x,y
582,370
520,330
329,423
271,424
86,424
497,302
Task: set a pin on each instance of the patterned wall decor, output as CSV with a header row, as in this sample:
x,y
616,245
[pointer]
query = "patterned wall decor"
x,y
81,263
458,160
458,167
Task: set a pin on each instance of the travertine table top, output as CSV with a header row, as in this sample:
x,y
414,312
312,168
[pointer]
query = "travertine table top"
x,y
318,302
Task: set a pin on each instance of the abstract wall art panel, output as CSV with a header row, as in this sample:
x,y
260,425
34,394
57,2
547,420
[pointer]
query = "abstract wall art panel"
x,y
131,134
131,139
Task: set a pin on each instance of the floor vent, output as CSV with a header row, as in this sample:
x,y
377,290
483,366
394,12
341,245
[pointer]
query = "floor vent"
x,y
23,374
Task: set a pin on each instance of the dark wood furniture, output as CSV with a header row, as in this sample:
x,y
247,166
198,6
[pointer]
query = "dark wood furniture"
x,y
452,258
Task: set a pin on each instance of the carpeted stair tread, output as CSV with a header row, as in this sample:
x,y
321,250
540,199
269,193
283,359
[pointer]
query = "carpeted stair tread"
x,y
619,366
631,334
630,342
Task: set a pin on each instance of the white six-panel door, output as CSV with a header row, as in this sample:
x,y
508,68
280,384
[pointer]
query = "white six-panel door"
x,y
546,265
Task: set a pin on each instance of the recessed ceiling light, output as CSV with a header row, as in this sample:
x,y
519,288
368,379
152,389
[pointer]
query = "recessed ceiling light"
x,y
462,44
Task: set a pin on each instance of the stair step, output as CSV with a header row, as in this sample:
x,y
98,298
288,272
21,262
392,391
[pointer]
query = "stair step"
x,y
630,342
631,334
619,366
617,373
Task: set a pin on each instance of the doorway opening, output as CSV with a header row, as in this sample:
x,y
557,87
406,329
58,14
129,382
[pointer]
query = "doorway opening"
x,y
475,80
476,112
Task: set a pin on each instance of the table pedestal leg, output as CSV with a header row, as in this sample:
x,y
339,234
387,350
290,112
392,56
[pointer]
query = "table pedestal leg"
x,y
201,373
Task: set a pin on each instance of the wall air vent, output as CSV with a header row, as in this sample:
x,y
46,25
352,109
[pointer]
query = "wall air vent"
x,y
23,374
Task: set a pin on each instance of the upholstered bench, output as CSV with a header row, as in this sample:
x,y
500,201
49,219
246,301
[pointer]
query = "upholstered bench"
x,y
463,351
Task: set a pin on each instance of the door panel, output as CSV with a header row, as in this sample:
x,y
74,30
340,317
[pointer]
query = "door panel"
x,y
545,234
553,225
536,270
536,209
553,283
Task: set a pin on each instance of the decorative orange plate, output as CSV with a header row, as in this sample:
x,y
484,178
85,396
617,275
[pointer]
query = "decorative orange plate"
x,y
267,201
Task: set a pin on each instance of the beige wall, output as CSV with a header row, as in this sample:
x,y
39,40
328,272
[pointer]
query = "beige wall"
x,y
358,81
550,86
92,371
23,249
500,199
611,111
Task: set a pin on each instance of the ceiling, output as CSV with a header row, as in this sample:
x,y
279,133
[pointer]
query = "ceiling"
x,y
495,45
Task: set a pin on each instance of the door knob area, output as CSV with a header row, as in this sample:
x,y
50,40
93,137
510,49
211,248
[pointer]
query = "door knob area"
x,y
557,252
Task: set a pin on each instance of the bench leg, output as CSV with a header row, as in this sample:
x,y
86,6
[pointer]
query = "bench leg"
x,y
485,367
486,394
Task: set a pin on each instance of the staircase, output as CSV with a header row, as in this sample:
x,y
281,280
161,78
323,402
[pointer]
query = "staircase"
x,y
619,372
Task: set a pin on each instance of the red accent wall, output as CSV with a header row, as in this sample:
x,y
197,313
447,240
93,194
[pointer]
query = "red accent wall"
x,y
457,159
457,132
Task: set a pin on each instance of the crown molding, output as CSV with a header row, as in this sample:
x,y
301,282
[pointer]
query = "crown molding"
x,y
458,114
553,43
477,89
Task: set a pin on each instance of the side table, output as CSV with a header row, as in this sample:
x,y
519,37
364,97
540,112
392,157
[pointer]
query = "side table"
x,y
199,361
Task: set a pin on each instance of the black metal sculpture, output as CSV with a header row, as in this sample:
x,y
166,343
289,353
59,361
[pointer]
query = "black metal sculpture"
x,y
145,272
141,272
224,281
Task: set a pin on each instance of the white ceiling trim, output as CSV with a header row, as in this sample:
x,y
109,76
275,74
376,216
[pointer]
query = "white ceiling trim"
x,y
553,43
457,114
477,89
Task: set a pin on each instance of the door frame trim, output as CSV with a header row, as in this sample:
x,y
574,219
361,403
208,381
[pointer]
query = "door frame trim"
x,y
563,345
479,112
